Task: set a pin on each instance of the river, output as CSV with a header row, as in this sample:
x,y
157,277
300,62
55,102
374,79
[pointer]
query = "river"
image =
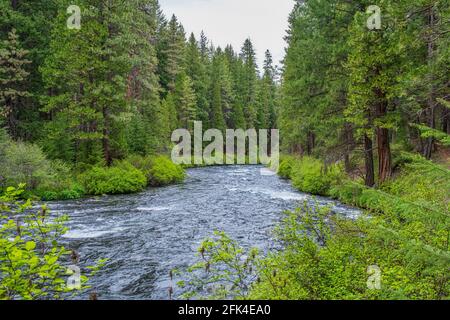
x,y
146,235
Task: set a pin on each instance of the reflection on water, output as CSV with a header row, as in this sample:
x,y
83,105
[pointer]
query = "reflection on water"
x,y
146,235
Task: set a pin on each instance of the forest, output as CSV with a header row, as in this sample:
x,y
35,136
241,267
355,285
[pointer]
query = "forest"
x,y
363,114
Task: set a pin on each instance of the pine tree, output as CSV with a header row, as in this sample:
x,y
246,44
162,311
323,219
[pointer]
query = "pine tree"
x,y
196,69
222,101
171,47
185,101
267,92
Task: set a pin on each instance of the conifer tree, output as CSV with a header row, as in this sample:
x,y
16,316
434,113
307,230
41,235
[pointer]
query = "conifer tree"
x,y
171,48
249,83
196,69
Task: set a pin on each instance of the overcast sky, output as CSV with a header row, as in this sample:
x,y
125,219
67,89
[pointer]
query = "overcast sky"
x,y
232,21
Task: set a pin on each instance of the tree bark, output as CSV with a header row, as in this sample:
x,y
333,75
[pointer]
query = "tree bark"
x,y
368,160
14,4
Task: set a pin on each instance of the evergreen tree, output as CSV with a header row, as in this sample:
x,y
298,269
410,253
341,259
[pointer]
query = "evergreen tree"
x,y
171,48
185,101
267,95
196,69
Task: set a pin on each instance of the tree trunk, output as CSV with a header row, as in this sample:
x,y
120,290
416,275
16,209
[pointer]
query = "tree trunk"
x,y
349,141
368,160
14,4
311,143
105,140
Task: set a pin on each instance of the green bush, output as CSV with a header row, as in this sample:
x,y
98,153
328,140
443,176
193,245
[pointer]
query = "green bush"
x,y
165,172
142,163
75,191
122,178
24,163
309,175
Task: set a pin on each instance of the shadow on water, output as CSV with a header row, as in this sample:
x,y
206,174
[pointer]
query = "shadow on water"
x,y
146,235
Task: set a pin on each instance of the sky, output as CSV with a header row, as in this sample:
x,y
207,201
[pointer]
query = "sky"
x,y
232,21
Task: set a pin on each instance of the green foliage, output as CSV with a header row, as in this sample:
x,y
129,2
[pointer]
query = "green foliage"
x,y
164,172
122,178
32,262
310,175
228,268
286,165
404,234
325,257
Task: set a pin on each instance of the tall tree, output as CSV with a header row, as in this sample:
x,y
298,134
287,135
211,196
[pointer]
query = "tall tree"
x,y
185,101
249,82
13,81
267,95
197,70
171,48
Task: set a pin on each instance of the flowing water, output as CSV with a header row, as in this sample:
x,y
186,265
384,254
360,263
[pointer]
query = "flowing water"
x,y
146,235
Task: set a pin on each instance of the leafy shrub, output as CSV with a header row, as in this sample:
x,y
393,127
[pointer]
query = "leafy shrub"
x,y
75,191
309,175
31,256
325,257
61,185
348,192
337,267
165,172
122,178
25,163
142,163
230,268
